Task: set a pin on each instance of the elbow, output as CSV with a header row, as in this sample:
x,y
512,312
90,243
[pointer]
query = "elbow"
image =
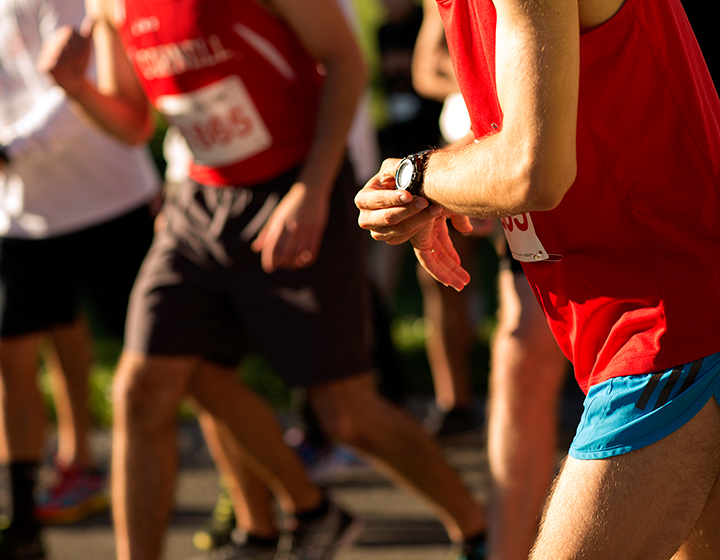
x,y
139,134
543,185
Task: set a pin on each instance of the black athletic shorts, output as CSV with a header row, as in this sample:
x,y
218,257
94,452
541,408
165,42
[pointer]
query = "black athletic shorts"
x,y
43,282
201,290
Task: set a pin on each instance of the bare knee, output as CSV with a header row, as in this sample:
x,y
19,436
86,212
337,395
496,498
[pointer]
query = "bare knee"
x,y
147,390
346,409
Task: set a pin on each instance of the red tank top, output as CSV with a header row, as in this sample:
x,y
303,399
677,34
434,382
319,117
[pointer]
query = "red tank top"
x,y
233,77
632,282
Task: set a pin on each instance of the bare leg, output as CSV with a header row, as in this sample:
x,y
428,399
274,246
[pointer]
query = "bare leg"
x,y
147,391
450,341
22,419
352,412
252,501
704,540
526,377
255,427
643,504
68,361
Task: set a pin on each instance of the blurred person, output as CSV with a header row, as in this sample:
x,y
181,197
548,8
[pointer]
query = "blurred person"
x,y
75,224
260,246
597,143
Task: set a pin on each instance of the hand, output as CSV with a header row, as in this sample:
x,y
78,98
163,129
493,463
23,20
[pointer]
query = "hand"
x,y
392,215
65,56
436,253
291,237
474,227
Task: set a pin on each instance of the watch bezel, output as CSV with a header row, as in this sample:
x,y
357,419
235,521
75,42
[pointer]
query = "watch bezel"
x,y
417,162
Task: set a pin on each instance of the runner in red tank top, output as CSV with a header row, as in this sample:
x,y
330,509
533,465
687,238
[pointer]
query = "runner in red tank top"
x,y
597,144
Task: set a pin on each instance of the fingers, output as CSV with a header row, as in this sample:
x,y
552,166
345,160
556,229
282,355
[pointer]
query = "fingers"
x,y
287,247
443,268
86,27
461,223
397,224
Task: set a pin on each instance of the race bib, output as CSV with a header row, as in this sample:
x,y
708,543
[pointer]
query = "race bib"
x,y
524,243
220,122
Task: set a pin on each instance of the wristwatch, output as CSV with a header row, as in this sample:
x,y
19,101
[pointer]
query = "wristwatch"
x,y
411,172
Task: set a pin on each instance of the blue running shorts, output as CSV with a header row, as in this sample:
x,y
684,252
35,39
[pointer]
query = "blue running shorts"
x,y
627,413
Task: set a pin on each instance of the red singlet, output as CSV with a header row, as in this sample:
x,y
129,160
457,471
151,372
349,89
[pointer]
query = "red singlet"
x,y
236,80
627,266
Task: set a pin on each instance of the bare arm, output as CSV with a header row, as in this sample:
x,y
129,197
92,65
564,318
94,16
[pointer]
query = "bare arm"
x,y
321,27
291,238
432,72
530,163
118,103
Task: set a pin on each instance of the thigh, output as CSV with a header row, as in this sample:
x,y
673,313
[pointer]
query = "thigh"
x,y
642,504
178,307
37,288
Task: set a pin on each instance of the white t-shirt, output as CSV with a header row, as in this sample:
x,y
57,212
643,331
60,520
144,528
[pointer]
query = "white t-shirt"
x,y
65,173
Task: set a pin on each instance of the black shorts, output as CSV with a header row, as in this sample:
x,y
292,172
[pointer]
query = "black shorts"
x,y
202,292
43,282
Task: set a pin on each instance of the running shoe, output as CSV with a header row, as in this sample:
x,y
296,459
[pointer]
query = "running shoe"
x,y
15,545
241,547
467,551
77,493
321,538
218,529
441,423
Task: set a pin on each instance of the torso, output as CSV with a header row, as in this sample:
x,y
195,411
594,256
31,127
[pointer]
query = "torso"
x,y
232,76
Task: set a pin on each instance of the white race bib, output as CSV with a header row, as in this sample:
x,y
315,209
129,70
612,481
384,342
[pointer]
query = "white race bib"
x,y
524,243
220,122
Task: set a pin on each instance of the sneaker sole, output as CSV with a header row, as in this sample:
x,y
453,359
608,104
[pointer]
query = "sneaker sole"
x,y
74,514
347,538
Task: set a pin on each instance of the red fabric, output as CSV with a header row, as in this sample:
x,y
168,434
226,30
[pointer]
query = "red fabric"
x,y
181,46
637,288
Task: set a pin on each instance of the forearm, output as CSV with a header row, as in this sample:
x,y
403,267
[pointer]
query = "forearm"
x,y
130,122
530,162
342,89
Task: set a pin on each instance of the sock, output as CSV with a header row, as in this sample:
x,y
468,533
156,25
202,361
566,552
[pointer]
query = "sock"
x,y
264,542
22,477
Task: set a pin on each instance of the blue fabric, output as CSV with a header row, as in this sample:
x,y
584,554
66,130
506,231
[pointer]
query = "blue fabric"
x,y
631,412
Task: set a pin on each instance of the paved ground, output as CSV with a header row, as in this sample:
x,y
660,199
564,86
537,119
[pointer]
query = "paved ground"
x,y
397,525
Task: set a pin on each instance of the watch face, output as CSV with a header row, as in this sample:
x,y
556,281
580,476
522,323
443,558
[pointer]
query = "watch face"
x,y
404,174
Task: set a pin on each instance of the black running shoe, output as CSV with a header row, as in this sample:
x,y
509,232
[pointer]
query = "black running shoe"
x,y
15,545
320,538
441,423
216,531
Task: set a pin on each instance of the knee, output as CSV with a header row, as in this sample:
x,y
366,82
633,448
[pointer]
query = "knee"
x,y
145,396
343,427
345,420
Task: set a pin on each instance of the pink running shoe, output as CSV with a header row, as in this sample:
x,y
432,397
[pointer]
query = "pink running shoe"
x,y
78,492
